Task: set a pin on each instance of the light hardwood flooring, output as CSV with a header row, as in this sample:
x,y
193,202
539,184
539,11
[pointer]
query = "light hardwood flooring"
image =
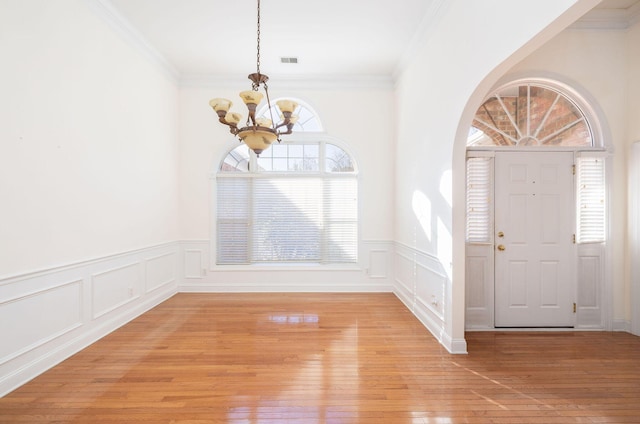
x,y
328,358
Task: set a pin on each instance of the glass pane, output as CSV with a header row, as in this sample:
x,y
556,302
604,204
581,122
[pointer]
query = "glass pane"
x,y
295,150
307,119
311,151
563,115
265,163
478,137
279,150
280,165
337,160
541,101
237,160
577,135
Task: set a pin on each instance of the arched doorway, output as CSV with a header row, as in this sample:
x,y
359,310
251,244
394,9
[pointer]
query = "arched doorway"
x,y
536,210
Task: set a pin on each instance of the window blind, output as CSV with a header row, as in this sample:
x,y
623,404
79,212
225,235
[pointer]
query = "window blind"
x,y
233,200
271,218
591,199
340,220
287,219
479,200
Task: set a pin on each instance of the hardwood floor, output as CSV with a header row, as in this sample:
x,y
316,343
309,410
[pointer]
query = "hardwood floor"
x,y
328,358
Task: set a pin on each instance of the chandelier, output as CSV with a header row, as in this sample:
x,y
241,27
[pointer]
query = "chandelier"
x,y
257,133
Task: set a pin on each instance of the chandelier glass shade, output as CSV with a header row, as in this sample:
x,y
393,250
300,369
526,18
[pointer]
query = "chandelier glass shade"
x,y
257,133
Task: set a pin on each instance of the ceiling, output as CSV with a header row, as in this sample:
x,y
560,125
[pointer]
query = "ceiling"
x,y
329,38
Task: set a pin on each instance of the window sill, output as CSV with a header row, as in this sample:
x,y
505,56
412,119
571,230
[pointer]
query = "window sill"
x,y
290,267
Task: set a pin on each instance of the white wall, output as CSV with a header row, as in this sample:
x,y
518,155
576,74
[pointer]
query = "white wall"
x,y
473,44
361,118
633,252
633,56
88,183
88,152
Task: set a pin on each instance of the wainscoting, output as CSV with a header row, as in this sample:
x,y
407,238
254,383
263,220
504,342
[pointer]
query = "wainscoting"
x,y
422,284
373,273
47,316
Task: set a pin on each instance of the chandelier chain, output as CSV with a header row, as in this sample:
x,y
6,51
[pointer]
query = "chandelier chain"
x,y
258,45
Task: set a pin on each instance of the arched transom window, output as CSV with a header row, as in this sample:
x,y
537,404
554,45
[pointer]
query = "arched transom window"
x,y
530,115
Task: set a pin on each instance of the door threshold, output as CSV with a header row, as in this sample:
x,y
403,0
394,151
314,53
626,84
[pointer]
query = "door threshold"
x,y
534,328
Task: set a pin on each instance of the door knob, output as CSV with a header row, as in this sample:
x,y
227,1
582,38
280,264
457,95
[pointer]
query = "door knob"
x,y
500,234
501,247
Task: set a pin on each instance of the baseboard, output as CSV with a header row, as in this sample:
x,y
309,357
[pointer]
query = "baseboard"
x,y
327,287
621,325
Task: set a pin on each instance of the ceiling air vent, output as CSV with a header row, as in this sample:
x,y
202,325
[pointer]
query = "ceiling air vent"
x,y
289,60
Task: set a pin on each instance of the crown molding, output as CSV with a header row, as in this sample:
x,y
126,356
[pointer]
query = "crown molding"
x,y
293,82
105,10
425,28
609,19
634,14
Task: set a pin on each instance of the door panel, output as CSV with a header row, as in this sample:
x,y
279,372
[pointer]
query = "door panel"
x,y
534,276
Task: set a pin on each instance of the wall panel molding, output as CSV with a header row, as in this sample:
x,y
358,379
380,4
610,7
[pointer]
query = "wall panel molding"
x,y
114,288
373,273
422,284
194,263
590,287
26,329
479,287
160,270
49,315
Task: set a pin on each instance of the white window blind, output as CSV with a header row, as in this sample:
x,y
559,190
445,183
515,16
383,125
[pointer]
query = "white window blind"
x,y
591,199
287,220
233,200
341,220
479,200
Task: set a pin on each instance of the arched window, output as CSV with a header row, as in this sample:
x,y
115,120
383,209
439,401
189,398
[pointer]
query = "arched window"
x,y
296,203
530,114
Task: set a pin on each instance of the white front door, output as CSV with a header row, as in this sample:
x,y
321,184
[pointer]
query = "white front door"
x,y
534,224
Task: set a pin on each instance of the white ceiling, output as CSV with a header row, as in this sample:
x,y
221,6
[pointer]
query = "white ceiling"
x,y
329,37
344,38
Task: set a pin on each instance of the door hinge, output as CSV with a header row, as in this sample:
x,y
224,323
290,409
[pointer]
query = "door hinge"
x,y
574,307
573,169
574,238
